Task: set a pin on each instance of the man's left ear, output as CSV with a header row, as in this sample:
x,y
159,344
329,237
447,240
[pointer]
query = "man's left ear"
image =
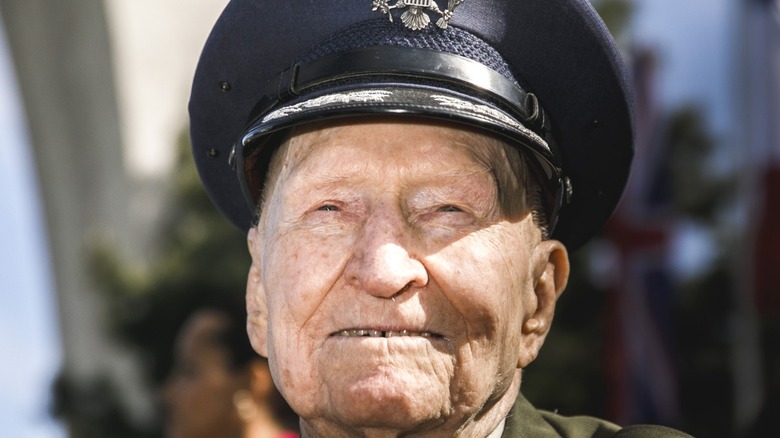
x,y
256,306
550,271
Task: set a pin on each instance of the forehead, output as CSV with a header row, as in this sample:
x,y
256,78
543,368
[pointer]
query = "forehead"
x,y
389,143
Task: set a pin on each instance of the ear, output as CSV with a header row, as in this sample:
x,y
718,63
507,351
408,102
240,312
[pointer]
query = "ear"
x,y
256,302
550,272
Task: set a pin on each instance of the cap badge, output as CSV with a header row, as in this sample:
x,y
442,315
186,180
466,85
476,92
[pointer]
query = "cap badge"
x,y
415,17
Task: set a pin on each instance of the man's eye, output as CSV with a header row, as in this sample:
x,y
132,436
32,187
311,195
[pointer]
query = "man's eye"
x,y
328,207
449,208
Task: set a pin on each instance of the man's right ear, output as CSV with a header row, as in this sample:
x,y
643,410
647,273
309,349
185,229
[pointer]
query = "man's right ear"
x,y
256,304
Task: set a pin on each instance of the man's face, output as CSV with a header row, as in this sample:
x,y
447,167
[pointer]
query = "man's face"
x,y
388,289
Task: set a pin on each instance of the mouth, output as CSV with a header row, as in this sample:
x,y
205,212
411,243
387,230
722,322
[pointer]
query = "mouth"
x,y
369,333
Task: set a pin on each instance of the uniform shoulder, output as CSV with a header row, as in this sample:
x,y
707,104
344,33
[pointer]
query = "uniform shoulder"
x,y
584,426
525,421
650,431
579,426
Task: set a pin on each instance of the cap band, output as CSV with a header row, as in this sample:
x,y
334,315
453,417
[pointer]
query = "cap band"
x,y
407,63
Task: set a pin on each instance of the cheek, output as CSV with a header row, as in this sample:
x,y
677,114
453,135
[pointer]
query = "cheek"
x,y
299,276
484,281
485,278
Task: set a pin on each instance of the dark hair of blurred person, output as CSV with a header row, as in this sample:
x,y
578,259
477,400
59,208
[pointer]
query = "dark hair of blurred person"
x,y
219,386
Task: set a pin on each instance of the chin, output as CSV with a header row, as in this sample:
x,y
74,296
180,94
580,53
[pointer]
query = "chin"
x,y
392,401
390,416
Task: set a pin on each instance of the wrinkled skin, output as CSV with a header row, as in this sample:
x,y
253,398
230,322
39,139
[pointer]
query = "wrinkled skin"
x,y
391,226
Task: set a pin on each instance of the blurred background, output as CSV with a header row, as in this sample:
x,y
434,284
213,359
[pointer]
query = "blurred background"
x,y
107,242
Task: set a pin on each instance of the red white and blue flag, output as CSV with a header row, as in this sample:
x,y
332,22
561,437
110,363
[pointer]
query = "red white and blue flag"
x,y
640,347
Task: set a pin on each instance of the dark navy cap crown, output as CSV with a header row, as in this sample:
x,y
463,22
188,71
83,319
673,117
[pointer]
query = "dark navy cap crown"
x,y
544,74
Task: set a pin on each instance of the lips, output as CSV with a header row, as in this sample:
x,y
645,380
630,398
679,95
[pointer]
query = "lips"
x,y
356,333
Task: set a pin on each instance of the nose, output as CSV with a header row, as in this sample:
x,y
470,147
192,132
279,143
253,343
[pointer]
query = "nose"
x,y
382,264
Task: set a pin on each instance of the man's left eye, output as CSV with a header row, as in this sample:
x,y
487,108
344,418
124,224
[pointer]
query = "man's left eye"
x,y
328,207
449,208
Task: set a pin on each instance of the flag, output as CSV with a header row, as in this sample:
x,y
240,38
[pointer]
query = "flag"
x,y
763,134
766,266
640,350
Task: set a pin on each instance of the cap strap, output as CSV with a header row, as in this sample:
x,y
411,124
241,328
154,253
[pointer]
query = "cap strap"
x,y
408,63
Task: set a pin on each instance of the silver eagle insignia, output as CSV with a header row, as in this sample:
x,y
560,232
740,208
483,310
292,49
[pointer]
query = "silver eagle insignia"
x,y
416,17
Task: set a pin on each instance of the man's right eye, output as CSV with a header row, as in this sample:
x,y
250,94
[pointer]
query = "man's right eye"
x,y
449,209
328,207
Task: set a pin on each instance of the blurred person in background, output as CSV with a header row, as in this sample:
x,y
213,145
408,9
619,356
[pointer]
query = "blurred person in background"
x,y
219,386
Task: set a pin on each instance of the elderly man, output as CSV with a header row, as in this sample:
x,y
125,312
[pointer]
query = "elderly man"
x,y
411,174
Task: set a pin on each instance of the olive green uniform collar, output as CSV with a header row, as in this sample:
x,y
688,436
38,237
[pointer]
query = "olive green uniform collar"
x,y
524,420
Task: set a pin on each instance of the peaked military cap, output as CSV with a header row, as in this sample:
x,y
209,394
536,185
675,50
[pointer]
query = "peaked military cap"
x,y
543,74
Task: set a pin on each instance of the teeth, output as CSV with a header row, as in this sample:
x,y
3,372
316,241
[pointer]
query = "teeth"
x,y
380,333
